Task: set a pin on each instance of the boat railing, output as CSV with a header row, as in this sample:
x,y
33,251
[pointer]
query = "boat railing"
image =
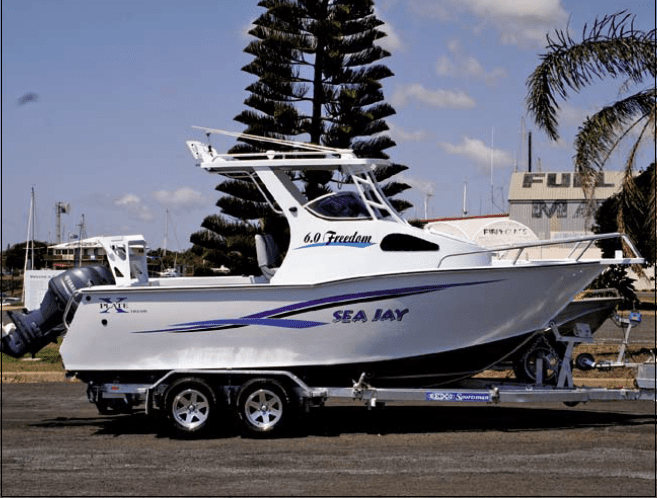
x,y
581,245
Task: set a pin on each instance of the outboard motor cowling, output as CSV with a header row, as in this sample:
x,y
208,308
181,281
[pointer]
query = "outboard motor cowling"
x,y
35,329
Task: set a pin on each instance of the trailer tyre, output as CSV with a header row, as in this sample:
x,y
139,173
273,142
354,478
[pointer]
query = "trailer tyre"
x,y
190,406
263,407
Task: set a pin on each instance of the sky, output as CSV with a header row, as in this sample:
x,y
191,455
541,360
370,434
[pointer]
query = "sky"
x,y
99,97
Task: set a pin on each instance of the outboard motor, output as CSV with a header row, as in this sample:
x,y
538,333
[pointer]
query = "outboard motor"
x,y
35,329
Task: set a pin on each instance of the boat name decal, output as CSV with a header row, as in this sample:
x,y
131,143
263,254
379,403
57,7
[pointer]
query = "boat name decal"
x,y
469,397
117,305
332,238
279,317
114,304
349,316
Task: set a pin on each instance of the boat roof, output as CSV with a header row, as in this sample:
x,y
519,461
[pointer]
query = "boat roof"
x,y
301,156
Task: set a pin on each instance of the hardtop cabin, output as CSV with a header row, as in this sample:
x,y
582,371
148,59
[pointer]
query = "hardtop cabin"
x,y
354,231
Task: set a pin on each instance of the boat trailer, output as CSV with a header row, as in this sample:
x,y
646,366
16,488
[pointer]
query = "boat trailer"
x,y
265,400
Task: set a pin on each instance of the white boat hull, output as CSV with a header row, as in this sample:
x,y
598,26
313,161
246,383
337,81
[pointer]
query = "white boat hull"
x,y
373,319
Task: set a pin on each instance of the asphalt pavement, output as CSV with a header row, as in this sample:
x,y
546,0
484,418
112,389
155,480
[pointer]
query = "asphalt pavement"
x,y
54,443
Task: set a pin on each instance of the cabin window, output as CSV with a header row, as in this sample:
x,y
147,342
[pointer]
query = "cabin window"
x,y
339,206
403,242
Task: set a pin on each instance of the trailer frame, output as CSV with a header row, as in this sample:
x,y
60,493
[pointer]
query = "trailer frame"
x,y
261,397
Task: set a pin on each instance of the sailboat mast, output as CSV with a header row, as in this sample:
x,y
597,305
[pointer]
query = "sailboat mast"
x,y
31,222
30,235
166,232
492,151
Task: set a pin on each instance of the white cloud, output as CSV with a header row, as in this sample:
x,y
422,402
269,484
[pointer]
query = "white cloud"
x,y
392,42
438,98
537,10
400,135
435,9
445,66
133,205
425,187
520,22
184,198
477,151
467,66
244,31
127,200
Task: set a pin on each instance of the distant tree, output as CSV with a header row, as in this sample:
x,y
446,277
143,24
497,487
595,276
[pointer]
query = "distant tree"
x,y
606,222
607,214
611,48
15,255
317,70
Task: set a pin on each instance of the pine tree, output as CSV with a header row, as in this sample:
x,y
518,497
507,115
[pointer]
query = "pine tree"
x,y
319,80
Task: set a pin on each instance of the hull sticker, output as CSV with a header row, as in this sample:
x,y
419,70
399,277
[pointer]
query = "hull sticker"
x,y
278,317
332,238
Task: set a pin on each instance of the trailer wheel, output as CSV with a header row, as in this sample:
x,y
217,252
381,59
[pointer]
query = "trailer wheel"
x,y
190,406
263,407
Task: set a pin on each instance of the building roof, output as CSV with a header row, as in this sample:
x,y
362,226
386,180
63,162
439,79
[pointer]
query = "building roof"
x,y
92,242
560,186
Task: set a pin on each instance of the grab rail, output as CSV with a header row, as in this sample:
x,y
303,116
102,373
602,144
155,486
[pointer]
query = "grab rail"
x,y
578,241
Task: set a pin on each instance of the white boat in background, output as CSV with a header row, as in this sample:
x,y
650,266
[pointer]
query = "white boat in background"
x,y
169,273
359,291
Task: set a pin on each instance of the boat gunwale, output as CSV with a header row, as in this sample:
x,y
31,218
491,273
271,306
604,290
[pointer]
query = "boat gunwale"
x,y
101,289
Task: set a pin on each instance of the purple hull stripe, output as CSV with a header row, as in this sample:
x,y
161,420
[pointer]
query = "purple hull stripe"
x,y
343,244
269,318
268,322
405,291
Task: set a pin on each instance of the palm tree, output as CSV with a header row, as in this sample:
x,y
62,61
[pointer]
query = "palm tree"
x,y
611,48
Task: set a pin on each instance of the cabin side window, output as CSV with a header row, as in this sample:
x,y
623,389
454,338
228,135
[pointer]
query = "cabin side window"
x,y
403,242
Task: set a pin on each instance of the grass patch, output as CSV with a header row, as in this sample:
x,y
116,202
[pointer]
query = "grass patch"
x,y
46,360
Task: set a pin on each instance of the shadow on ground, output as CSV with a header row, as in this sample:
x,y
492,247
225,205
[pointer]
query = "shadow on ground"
x,y
334,421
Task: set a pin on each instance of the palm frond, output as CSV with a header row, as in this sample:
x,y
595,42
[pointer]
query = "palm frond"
x,y
601,133
651,219
632,200
611,47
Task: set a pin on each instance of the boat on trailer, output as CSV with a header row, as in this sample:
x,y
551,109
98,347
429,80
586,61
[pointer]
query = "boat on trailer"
x,y
359,291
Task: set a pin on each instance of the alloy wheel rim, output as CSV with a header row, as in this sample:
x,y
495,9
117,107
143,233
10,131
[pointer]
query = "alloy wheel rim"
x,y
263,408
190,408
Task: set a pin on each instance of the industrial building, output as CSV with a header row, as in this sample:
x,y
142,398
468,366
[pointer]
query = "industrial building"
x,y
553,205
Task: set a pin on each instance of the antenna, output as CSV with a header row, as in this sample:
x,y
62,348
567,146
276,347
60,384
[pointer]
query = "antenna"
x,y
465,199
529,152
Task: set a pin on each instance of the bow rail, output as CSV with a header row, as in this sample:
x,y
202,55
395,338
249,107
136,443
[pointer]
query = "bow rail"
x,y
582,244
